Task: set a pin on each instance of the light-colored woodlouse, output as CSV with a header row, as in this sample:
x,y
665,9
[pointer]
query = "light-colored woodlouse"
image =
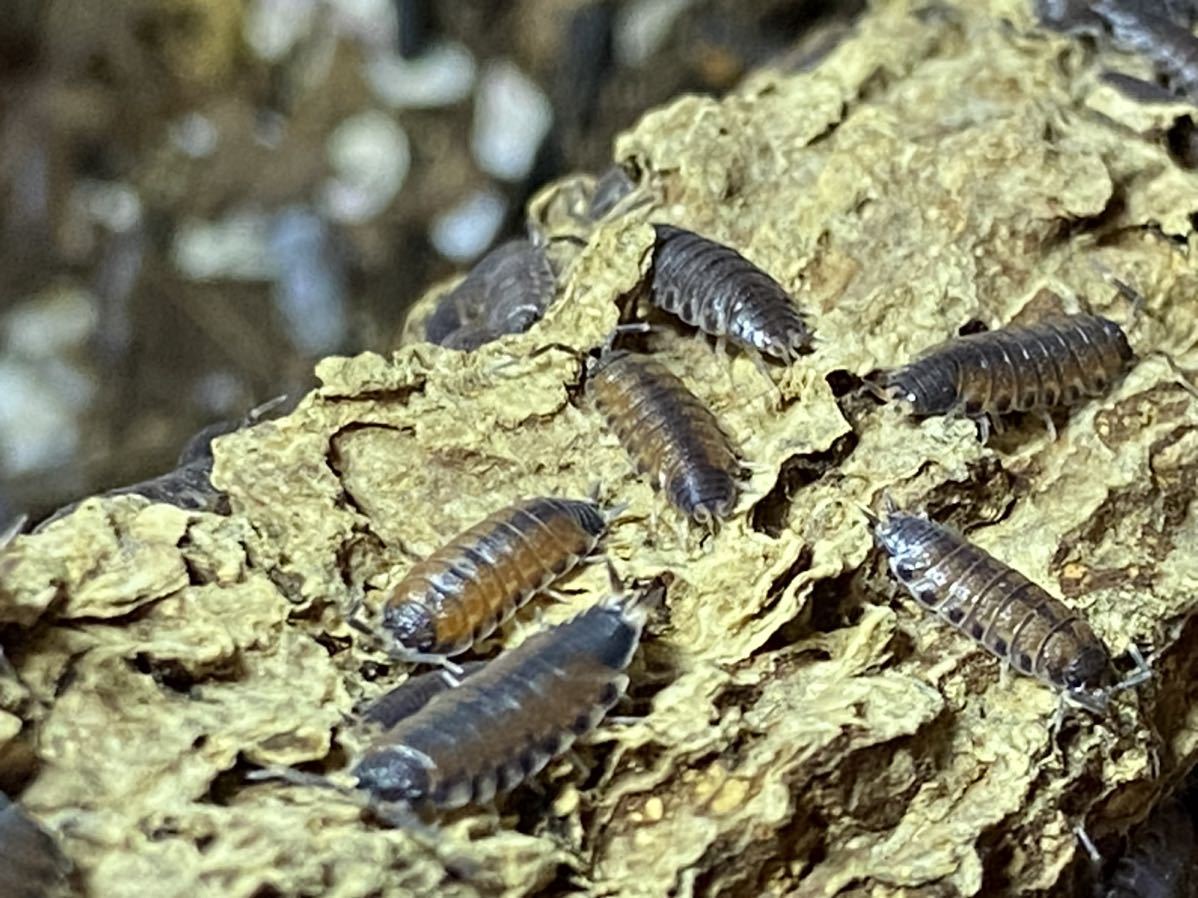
x,y
480,578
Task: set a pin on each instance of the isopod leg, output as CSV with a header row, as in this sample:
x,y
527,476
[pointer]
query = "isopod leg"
x,y
760,364
1088,844
1142,672
411,657
983,426
1048,425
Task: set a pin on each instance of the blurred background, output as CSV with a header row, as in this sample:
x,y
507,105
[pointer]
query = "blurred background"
x,y
200,197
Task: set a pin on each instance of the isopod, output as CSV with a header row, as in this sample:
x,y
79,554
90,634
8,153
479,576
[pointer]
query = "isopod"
x,y
510,718
714,288
1007,613
611,187
506,292
31,863
480,578
669,434
188,485
1171,48
413,694
1159,862
1058,361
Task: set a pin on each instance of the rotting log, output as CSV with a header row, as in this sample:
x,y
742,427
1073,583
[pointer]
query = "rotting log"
x,y
795,727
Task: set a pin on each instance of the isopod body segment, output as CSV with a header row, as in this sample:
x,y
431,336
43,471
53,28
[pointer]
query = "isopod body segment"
x,y
669,434
509,718
714,288
1058,361
997,606
480,578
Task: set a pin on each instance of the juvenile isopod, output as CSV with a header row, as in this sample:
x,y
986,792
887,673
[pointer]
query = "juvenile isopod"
x,y
994,604
480,578
714,288
509,718
1058,361
669,434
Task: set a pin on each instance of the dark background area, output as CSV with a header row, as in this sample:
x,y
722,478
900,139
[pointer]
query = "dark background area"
x,y
200,197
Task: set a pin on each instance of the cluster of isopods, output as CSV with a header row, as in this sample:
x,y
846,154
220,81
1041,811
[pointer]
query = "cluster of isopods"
x,y
452,739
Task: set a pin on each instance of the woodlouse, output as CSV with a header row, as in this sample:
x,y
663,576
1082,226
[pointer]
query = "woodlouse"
x,y
476,581
1058,361
413,694
31,863
669,434
1171,48
714,288
506,292
510,718
991,602
188,485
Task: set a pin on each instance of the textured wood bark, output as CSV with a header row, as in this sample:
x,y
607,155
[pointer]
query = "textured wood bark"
x,y
794,726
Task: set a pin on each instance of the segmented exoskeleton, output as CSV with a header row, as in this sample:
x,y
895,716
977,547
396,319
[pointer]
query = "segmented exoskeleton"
x,y
996,605
509,718
1171,48
468,587
413,694
714,288
1058,361
506,292
669,434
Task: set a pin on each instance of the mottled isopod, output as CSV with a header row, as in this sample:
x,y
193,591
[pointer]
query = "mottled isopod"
x,y
669,434
1058,361
506,292
471,585
996,605
1160,860
31,863
714,288
510,718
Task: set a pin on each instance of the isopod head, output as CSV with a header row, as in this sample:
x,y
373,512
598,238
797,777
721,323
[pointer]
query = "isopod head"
x,y
709,499
925,396
1088,678
411,623
785,347
900,536
588,515
394,774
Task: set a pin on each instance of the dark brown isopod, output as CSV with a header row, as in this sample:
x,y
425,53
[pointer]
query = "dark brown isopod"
x,y
714,288
475,582
1058,361
31,863
999,607
668,432
508,719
